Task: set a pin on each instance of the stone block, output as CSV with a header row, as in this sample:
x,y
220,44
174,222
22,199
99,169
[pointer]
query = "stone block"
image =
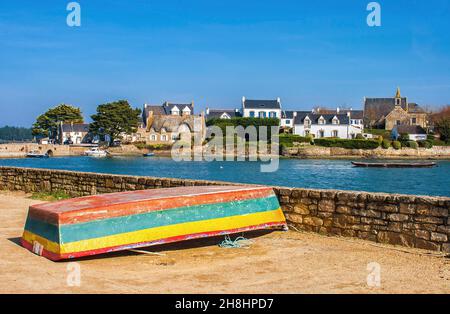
x,y
395,238
326,205
439,237
301,209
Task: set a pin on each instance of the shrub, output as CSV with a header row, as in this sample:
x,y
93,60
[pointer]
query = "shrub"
x,y
404,137
411,144
359,136
426,144
349,144
396,144
386,144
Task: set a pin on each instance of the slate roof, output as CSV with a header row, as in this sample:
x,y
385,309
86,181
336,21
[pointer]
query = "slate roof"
x,y
75,127
378,108
168,107
217,113
314,117
261,104
357,114
287,114
415,108
410,129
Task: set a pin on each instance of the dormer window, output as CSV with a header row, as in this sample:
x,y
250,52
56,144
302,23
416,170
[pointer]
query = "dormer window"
x,y
322,121
397,101
175,111
307,122
335,120
186,111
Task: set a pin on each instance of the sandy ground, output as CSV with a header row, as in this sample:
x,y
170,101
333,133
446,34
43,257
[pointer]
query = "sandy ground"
x,y
277,262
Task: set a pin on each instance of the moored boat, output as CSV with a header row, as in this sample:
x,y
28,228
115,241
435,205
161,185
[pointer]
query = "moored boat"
x,y
149,154
394,164
120,221
36,154
96,152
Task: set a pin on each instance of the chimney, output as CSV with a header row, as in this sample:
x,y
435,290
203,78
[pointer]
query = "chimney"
x,y
295,114
243,100
236,110
145,105
207,111
337,110
279,100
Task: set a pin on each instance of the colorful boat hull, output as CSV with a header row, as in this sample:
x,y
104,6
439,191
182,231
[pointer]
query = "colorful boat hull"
x,y
120,221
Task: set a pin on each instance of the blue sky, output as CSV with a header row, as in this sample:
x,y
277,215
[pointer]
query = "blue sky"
x,y
214,52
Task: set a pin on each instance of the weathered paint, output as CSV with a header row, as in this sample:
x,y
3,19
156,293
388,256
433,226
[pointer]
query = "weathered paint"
x,y
112,222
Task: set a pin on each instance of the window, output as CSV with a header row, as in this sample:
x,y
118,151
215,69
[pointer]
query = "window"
x,y
397,101
272,114
164,138
334,133
321,121
321,134
252,114
262,114
307,123
414,121
335,121
153,137
288,121
398,122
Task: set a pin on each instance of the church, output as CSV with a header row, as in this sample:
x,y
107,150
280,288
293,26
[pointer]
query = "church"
x,y
387,113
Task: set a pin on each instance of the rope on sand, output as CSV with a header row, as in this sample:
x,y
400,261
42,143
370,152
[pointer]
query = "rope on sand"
x,y
238,243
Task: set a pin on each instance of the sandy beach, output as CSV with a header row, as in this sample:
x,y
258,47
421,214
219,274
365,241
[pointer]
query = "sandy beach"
x,y
277,262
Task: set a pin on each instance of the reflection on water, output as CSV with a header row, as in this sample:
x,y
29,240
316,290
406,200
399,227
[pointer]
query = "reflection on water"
x,y
323,174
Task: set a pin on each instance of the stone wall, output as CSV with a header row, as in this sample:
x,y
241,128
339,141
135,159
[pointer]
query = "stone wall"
x,y
308,151
412,221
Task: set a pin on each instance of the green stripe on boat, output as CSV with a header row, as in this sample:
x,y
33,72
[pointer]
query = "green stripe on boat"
x,y
124,224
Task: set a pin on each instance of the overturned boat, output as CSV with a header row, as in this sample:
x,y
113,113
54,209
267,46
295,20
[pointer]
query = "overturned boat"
x,y
120,221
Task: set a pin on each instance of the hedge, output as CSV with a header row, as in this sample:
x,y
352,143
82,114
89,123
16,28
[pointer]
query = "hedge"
x,y
288,140
349,144
244,122
426,144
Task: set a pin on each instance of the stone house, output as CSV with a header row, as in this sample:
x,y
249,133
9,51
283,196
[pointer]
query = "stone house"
x,y
167,123
390,112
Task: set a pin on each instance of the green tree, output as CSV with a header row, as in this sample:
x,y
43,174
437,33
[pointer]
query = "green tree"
x,y
443,127
47,124
114,119
11,133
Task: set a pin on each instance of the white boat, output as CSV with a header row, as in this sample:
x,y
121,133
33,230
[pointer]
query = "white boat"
x,y
96,152
36,154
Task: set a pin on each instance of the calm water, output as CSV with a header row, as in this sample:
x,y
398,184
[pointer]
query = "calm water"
x,y
323,174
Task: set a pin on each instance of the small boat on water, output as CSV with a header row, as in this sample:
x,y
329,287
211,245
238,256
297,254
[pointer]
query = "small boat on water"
x,y
122,221
149,155
36,154
394,164
96,152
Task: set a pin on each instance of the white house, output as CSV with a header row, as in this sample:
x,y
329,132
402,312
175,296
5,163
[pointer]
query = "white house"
x,y
415,132
326,125
261,108
287,119
75,132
